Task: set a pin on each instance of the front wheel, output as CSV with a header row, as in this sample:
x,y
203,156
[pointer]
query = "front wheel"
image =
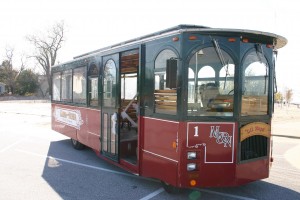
x,y
77,145
170,188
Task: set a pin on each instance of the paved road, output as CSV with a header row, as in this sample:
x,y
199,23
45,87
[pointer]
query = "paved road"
x,y
37,163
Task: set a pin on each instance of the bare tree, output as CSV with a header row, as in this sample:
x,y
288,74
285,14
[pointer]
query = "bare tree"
x,y
288,96
46,49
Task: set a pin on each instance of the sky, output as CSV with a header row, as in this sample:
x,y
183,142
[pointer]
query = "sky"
x,y
93,24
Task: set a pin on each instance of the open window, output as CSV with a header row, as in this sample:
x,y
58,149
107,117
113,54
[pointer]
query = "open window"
x,y
129,108
165,75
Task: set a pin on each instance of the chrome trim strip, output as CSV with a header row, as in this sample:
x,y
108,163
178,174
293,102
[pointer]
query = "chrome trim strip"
x,y
160,156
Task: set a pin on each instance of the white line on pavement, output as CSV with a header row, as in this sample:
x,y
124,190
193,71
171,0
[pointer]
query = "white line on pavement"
x,y
149,196
226,195
153,194
11,145
74,163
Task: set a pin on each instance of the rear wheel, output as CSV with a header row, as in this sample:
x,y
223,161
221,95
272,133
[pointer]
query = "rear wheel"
x,y
170,188
77,145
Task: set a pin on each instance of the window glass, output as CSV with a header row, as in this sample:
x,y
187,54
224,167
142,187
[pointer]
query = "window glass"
x,y
93,82
93,86
255,85
128,86
66,86
56,86
210,83
110,81
79,85
227,79
165,98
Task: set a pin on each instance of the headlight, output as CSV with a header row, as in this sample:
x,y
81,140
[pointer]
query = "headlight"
x,y
191,155
191,166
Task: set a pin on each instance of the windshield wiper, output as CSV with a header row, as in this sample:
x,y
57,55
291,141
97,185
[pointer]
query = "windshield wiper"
x,y
221,57
274,64
219,52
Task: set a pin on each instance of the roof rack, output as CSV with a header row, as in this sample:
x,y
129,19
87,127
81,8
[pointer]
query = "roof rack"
x,y
145,37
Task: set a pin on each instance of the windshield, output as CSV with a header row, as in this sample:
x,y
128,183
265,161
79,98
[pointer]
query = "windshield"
x,y
255,85
210,83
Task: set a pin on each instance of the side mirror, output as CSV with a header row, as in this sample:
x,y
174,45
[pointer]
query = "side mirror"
x,y
171,76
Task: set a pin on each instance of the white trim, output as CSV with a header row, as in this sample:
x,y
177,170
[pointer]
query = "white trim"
x,y
79,107
92,133
160,156
204,144
161,120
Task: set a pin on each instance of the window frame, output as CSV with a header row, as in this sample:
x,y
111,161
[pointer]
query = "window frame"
x,y
84,92
162,84
243,76
217,79
92,75
69,94
59,89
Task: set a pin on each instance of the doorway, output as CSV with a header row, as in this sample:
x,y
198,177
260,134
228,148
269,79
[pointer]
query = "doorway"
x,y
110,105
129,106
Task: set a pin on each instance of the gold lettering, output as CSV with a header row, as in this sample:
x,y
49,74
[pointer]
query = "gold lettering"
x,y
255,128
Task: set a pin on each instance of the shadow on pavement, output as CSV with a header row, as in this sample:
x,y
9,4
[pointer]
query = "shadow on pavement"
x,y
76,174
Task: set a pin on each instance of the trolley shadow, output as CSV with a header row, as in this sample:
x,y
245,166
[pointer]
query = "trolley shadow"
x,y
82,175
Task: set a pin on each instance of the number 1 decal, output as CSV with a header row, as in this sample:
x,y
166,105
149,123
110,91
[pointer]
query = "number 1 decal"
x,y
196,131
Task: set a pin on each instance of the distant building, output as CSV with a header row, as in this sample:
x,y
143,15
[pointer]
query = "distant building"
x,y
2,88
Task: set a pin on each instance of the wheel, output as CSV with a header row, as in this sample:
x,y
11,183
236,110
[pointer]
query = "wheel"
x,y
77,145
170,188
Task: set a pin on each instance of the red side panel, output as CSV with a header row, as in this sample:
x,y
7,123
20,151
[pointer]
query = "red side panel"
x,y
60,120
157,167
93,128
80,123
215,145
160,154
252,171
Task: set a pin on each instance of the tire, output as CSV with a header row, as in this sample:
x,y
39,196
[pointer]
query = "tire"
x,y
170,188
77,145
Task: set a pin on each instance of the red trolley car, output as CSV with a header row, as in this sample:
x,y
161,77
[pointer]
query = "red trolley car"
x,y
189,105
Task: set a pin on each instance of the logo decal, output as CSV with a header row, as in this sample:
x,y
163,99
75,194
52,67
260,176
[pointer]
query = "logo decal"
x,y
221,137
69,117
214,139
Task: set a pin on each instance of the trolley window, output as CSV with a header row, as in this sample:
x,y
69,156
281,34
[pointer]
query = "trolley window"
x,y
110,84
255,85
79,85
210,83
56,84
165,98
93,85
66,86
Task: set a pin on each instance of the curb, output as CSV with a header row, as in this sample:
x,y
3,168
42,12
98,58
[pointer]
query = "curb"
x,y
287,136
